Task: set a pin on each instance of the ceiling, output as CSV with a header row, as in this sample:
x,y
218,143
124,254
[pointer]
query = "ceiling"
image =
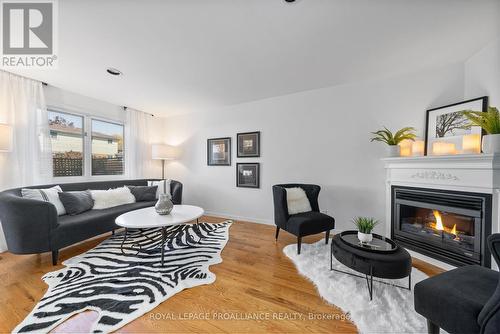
x,y
181,56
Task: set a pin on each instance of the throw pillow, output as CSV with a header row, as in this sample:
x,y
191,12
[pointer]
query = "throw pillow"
x,y
104,199
163,187
76,202
143,193
50,195
297,201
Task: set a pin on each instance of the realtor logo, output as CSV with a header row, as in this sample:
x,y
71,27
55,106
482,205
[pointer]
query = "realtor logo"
x,y
28,33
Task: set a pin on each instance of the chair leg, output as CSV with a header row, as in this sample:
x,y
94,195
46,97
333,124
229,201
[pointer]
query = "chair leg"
x,y
299,242
277,233
327,233
432,328
55,256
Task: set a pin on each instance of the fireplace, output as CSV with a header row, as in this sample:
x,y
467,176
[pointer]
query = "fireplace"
x,y
449,226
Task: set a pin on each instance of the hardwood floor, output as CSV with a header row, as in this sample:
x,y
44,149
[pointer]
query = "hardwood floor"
x,y
255,280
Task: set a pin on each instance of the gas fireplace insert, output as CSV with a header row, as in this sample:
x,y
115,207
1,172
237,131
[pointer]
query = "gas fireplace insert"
x,y
449,226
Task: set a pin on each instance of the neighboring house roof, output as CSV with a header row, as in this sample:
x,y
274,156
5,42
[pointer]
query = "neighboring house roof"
x,y
60,128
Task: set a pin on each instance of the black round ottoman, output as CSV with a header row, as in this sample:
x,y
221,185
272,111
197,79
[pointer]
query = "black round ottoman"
x,y
381,258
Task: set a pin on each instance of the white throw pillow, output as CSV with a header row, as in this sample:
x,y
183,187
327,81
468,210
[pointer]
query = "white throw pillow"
x,y
50,195
104,199
297,201
163,187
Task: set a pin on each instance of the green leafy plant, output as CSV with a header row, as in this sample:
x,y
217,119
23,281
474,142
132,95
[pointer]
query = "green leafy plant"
x,y
489,121
365,224
386,136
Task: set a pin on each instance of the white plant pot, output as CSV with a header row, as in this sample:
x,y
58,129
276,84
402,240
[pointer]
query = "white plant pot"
x,y
393,151
491,143
365,237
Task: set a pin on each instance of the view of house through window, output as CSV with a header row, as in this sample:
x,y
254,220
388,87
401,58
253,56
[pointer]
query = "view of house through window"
x,y
107,148
66,132
68,138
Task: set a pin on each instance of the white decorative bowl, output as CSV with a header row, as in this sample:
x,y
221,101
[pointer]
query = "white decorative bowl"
x,y
365,237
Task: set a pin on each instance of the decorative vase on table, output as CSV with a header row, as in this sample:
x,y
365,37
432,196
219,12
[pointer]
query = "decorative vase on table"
x,y
491,143
365,237
164,205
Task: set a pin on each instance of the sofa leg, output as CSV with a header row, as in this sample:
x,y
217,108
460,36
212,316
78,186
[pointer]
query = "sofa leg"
x,y
55,256
112,232
299,242
327,236
432,328
277,233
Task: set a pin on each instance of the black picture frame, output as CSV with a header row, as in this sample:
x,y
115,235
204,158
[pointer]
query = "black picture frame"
x,y
250,181
254,151
225,159
483,101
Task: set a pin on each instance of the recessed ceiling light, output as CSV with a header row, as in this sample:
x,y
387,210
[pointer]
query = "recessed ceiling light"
x,y
113,71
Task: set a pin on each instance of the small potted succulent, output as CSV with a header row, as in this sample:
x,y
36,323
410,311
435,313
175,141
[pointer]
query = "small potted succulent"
x,y
393,140
365,226
490,122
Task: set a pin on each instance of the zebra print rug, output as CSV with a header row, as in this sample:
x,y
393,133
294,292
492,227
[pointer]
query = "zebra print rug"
x,y
122,287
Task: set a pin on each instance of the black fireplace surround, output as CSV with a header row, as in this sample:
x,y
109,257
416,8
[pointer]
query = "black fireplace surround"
x,y
449,226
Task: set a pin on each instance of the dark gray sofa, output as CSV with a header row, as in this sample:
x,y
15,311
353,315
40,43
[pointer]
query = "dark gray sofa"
x,y
32,226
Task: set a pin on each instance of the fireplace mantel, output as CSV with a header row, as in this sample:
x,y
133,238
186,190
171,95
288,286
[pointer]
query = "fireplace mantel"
x,y
479,173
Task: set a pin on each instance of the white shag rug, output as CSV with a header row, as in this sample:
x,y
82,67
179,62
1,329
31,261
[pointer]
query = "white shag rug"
x,y
390,311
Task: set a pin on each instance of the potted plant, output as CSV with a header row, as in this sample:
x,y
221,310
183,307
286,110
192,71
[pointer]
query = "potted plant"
x,y
392,140
365,226
490,122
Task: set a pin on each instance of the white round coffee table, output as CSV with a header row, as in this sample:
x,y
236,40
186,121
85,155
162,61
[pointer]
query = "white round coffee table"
x,y
147,218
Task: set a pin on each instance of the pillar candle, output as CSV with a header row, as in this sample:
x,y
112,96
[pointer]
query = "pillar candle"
x,y
471,144
417,148
443,148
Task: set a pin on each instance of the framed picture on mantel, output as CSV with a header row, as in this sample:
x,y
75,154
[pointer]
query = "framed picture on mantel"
x,y
219,151
449,132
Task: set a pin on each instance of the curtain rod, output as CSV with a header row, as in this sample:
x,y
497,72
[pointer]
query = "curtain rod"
x,y
125,108
25,77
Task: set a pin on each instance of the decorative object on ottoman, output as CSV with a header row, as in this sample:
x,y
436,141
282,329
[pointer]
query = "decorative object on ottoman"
x,y
490,122
447,125
304,223
164,205
365,227
462,300
381,258
393,140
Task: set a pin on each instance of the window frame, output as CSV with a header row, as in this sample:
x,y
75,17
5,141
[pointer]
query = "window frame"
x,y
92,118
87,147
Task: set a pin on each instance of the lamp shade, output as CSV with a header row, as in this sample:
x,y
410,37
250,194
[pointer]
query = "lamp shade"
x,y
164,152
5,138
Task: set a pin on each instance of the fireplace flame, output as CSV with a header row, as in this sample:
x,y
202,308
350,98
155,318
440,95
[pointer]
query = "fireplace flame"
x,y
439,220
439,224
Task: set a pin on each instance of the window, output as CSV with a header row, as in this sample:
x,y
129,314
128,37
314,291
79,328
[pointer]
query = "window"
x,y
66,133
107,148
76,154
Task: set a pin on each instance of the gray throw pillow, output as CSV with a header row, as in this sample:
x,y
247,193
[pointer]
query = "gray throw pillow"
x,y
76,202
143,193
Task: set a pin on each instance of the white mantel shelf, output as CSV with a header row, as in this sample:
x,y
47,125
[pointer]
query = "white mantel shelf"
x,y
477,173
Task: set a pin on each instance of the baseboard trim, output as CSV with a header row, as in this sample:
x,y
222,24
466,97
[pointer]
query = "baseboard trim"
x,y
243,218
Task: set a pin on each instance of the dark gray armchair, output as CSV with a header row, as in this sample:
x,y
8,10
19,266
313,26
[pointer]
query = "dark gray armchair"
x,y
301,224
462,300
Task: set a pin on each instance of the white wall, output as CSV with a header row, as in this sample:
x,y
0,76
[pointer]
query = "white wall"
x,y
482,74
320,136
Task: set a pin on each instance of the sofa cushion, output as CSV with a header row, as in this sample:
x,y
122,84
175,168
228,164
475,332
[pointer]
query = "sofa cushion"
x,y
307,223
104,199
143,193
76,202
454,299
73,229
50,195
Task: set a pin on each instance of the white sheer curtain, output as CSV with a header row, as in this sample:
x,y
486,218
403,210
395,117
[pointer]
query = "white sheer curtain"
x,y
22,106
137,143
